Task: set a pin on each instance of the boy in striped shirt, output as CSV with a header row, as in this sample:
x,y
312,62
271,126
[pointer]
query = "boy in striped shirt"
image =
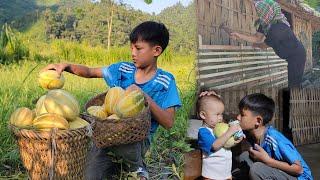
x,y
272,155
148,41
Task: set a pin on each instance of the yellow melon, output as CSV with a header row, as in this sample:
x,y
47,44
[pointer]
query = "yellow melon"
x,y
97,111
50,79
112,97
219,130
131,104
40,108
61,102
50,120
113,116
22,117
34,112
78,123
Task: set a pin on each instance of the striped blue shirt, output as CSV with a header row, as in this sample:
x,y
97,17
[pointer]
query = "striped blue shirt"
x,y
280,148
206,139
161,88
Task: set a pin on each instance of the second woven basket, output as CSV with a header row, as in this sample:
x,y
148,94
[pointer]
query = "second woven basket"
x,y
111,132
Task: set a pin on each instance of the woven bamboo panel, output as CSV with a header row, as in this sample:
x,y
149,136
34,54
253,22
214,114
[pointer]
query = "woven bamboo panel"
x,y
240,15
236,71
231,98
243,68
305,115
303,31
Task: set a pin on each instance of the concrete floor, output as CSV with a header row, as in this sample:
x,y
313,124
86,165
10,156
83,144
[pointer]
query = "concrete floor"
x,y
311,154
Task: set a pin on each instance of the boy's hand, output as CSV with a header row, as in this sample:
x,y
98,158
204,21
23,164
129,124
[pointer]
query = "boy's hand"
x,y
234,128
234,35
239,140
259,154
259,45
58,67
208,93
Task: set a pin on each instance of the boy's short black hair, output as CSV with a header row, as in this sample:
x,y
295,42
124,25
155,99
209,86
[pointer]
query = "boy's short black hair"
x,y
259,104
151,32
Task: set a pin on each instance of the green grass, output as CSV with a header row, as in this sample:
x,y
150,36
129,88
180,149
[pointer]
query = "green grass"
x,y
15,92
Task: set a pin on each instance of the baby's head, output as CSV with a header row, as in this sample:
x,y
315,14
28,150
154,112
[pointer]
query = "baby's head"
x,y
210,109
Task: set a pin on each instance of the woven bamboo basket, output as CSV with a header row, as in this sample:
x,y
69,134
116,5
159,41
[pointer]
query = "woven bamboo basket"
x,y
112,132
56,154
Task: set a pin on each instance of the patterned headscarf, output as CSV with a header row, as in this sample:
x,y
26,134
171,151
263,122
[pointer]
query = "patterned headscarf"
x,y
269,12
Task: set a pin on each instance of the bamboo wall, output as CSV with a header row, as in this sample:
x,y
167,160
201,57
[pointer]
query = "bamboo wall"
x,y
234,67
303,30
239,15
304,115
231,98
235,72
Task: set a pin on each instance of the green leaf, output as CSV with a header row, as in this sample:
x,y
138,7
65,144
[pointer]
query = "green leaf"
x,y
148,1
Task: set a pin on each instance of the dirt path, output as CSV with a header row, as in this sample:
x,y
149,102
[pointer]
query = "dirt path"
x,y
311,155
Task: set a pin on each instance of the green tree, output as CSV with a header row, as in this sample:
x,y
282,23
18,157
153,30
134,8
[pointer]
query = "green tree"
x,y
109,24
148,1
11,47
182,28
313,3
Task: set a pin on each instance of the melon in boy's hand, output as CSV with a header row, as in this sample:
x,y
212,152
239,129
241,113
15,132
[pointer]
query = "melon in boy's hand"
x,y
50,79
219,130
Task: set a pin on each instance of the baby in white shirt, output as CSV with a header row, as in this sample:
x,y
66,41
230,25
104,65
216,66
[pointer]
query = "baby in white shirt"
x,y
217,160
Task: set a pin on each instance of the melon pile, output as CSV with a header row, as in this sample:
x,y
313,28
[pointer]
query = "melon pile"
x,y
119,104
56,109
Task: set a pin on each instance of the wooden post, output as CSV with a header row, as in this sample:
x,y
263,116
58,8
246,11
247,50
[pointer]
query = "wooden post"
x,y
193,165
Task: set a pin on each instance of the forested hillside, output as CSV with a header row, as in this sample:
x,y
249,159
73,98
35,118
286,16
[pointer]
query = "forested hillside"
x,y
105,23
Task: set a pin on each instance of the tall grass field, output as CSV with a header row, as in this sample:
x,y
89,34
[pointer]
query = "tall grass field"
x,y
19,88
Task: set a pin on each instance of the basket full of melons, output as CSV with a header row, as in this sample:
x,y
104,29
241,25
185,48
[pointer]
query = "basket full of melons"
x,y
120,117
52,138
